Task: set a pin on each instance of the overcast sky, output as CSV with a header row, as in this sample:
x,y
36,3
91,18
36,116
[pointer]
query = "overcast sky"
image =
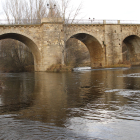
x,y
107,9
112,9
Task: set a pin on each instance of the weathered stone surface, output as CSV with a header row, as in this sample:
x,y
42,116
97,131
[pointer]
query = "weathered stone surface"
x,y
104,42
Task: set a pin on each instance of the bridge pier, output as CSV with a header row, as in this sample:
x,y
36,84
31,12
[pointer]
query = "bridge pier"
x,y
108,55
51,37
113,46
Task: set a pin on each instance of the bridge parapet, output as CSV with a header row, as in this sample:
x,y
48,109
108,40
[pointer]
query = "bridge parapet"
x,y
20,22
67,21
52,20
96,21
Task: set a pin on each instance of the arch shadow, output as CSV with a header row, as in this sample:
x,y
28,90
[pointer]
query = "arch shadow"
x,y
28,42
96,51
131,50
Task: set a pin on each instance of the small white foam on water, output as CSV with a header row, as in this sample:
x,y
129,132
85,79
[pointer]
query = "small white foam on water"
x,y
82,68
112,90
137,75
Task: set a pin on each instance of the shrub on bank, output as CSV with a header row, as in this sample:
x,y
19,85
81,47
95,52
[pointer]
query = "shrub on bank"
x,y
119,65
29,68
59,68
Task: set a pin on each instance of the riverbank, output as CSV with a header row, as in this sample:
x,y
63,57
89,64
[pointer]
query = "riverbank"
x,y
59,68
64,68
119,66
17,70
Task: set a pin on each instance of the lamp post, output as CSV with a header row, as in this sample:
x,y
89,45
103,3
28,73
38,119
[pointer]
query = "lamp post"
x,y
50,7
91,20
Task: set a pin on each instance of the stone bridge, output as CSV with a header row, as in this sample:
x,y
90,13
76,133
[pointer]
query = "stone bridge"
x,y
108,44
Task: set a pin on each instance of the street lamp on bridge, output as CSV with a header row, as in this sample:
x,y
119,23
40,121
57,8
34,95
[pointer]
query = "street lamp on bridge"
x,y
51,8
91,20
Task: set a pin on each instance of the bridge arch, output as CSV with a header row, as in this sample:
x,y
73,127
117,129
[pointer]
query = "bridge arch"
x,y
100,39
131,49
96,51
28,41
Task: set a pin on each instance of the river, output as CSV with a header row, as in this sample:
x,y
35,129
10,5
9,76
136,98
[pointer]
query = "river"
x,y
87,105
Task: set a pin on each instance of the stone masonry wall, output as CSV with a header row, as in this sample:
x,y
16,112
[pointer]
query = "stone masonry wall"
x,y
105,40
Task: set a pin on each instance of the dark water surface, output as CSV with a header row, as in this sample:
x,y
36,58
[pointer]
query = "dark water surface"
x,y
92,105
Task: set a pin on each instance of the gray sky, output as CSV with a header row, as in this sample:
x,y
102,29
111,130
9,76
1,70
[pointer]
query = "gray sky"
x,y
106,9
112,9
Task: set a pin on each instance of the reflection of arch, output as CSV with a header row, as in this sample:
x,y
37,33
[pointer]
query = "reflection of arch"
x,y
95,49
27,41
131,49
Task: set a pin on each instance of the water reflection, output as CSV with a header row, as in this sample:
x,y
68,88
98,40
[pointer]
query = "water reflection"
x,y
88,105
16,92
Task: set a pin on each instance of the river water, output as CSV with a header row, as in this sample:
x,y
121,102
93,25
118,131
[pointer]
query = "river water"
x,y
88,105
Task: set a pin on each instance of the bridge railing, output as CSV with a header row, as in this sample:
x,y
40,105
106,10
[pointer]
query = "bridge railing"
x,y
96,21
70,21
129,21
20,22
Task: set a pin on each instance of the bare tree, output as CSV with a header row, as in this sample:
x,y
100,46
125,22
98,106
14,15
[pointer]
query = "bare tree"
x,y
27,9
18,10
13,9
37,9
15,55
68,14
77,53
